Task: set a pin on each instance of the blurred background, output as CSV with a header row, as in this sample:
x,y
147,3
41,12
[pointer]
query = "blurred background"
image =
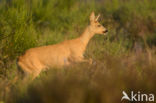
x,y
125,59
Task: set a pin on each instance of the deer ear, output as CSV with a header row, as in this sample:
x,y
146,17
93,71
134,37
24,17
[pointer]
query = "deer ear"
x,y
92,17
97,17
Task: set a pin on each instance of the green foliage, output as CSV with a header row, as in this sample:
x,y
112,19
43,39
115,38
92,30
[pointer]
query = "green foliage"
x,y
17,29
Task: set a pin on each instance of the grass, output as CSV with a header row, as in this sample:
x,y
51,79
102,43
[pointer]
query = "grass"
x,y
123,60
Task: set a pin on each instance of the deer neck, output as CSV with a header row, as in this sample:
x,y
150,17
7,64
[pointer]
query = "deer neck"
x,y
86,35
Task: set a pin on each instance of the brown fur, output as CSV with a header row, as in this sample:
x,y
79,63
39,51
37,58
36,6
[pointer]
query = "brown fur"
x,y
40,58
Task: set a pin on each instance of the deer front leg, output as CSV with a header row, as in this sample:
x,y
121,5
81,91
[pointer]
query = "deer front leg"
x,y
90,61
81,59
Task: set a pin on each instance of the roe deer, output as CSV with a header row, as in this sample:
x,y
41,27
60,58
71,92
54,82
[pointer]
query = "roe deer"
x,y
41,58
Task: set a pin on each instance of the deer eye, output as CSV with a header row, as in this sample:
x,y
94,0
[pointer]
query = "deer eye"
x,y
99,25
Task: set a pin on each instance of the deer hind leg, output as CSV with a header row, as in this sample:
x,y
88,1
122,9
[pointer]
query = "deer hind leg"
x,y
36,74
31,69
26,70
37,68
37,71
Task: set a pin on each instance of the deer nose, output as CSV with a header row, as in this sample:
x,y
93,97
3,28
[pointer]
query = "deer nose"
x,y
105,31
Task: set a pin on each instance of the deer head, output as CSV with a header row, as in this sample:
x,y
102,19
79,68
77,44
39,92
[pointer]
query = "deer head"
x,y
95,26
